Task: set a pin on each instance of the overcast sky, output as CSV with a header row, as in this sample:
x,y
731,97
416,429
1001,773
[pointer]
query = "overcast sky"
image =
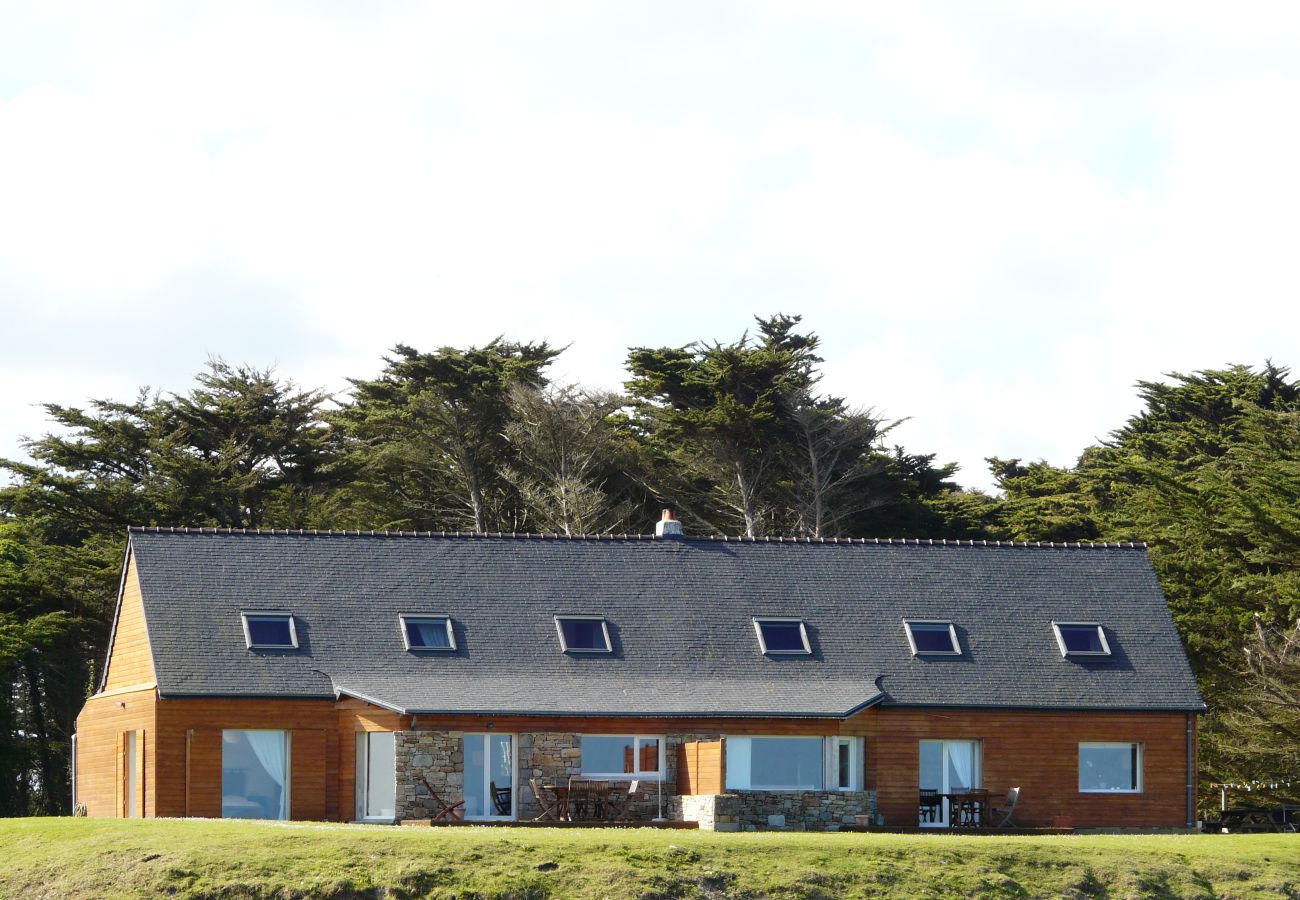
x,y
998,216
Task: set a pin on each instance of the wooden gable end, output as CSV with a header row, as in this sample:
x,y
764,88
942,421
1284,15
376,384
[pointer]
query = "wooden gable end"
x,y
130,659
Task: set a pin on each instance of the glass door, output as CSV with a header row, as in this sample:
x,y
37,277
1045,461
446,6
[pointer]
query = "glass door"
x,y
489,776
376,776
947,767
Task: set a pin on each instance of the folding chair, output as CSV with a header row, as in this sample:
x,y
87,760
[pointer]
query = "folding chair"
x,y
500,799
549,806
617,802
1004,812
447,812
587,799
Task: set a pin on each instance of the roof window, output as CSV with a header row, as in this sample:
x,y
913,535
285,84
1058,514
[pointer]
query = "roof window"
x,y
1081,639
583,634
270,630
782,636
422,632
936,638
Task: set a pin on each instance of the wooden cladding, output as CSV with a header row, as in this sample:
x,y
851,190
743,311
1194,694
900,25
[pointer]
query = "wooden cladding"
x,y
101,752
1039,753
701,768
130,661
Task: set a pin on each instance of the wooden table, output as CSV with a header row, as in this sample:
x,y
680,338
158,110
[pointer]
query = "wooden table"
x,y
1257,819
967,809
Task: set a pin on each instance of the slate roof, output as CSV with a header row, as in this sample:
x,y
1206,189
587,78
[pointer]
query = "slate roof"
x,y
679,614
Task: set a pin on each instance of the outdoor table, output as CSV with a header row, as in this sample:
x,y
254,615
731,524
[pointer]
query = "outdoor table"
x,y
1255,819
967,808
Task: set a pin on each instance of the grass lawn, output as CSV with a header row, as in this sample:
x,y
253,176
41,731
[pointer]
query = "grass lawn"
x,y
201,858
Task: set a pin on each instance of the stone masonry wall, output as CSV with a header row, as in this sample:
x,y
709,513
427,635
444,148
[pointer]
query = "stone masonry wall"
x,y
439,757
752,810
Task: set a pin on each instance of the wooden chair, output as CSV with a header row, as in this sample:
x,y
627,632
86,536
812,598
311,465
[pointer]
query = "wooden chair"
x,y
931,803
972,807
617,802
1004,812
447,812
587,799
551,806
500,799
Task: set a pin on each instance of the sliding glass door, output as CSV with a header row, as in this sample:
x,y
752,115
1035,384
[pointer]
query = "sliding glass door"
x,y
948,767
489,776
376,776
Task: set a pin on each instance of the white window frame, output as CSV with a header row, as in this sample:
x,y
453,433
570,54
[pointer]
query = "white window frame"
x,y
855,745
640,774
604,627
363,778
762,644
244,616
952,636
1060,639
789,788
419,618
1140,777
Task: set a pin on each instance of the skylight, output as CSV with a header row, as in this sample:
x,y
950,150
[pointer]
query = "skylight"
x,y
583,634
1081,639
932,638
423,632
270,631
782,636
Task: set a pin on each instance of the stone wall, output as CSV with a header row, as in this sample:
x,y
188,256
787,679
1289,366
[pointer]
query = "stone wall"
x,y
776,810
438,757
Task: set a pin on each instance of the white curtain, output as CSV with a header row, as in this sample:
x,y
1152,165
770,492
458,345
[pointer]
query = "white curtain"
x,y
270,748
961,760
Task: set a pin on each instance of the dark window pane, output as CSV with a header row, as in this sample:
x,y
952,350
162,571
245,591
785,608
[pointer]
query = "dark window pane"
x,y
583,634
427,634
782,636
1081,639
932,638
269,631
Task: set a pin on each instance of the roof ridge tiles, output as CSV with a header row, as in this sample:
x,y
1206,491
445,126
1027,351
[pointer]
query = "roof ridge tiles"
x,y
722,538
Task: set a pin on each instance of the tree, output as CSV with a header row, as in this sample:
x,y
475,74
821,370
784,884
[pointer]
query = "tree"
x,y
1263,741
718,417
426,438
568,466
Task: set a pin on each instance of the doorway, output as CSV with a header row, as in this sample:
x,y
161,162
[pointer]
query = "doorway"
x,y
490,776
948,767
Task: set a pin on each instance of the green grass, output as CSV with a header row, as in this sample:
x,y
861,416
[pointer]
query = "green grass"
x,y
108,858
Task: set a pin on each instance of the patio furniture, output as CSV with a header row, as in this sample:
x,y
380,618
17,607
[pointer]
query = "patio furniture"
x,y
1260,819
447,811
552,801
930,808
966,809
501,799
1004,812
617,802
587,799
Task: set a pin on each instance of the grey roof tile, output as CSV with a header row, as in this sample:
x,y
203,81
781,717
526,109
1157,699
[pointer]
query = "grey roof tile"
x,y
679,613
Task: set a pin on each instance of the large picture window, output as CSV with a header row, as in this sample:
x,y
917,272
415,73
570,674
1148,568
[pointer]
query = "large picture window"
x,y
1106,768
255,774
775,764
620,756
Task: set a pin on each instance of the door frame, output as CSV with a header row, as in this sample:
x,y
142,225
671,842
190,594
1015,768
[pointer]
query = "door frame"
x,y
977,772
361,776
486,795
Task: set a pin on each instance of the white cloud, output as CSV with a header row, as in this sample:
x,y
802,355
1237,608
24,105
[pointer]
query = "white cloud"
x,y
998,219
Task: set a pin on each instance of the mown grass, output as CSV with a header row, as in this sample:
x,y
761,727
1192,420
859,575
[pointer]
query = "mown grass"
x,y
105,858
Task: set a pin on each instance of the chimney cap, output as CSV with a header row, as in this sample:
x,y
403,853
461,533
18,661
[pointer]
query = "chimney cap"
x,y
667,526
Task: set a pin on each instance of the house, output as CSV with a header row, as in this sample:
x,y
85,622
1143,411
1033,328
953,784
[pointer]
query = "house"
x,y
742,683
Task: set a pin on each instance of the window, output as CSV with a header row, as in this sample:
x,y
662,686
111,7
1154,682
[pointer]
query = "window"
x,y
376,776
617,756
583,634
782,636
1110,768
271,630
775,763
846,762
255,774
1081,639
427,632
927,638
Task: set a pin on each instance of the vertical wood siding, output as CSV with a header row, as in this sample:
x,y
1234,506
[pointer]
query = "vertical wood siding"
x,y
101,766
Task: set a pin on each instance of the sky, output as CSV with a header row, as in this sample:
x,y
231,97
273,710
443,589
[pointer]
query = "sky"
x,y
997,216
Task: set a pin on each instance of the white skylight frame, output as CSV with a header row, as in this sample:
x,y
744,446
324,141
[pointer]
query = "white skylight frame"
x,y
403,618
1060,639
952,636
244,616
762,644
604,627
